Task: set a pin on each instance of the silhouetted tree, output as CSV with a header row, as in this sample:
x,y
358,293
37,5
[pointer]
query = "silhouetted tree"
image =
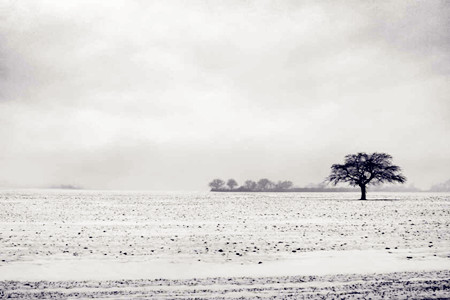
x,y
265,184
231,183
250,185
216,184
362,169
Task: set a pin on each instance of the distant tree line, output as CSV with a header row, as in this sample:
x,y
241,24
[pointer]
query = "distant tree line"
x,y
266,185
262,185
441,187
66,187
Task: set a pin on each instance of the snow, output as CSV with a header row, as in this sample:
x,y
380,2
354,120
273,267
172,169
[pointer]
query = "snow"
x,y
67,236
310,263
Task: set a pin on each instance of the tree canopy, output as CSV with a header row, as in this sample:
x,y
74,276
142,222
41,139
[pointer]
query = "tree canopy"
x,y
231,183
216,184
362,169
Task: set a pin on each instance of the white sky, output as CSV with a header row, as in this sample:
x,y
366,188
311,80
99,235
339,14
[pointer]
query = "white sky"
x,y
167,95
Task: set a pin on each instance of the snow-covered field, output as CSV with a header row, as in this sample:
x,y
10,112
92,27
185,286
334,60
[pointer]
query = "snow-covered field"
x,y
85,244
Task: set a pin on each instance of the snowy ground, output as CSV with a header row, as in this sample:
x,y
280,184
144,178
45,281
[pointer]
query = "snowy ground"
x,y
84,244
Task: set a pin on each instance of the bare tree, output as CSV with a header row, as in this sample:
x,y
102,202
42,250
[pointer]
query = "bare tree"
x,y
231,183
362,169
216,184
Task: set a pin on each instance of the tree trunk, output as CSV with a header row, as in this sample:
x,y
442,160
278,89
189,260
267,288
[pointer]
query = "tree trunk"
x,y
363,192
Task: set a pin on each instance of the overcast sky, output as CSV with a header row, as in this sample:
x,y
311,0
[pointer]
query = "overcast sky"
x,y
167,95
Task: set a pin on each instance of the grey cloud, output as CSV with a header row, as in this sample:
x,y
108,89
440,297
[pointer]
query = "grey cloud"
x,y
137,94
